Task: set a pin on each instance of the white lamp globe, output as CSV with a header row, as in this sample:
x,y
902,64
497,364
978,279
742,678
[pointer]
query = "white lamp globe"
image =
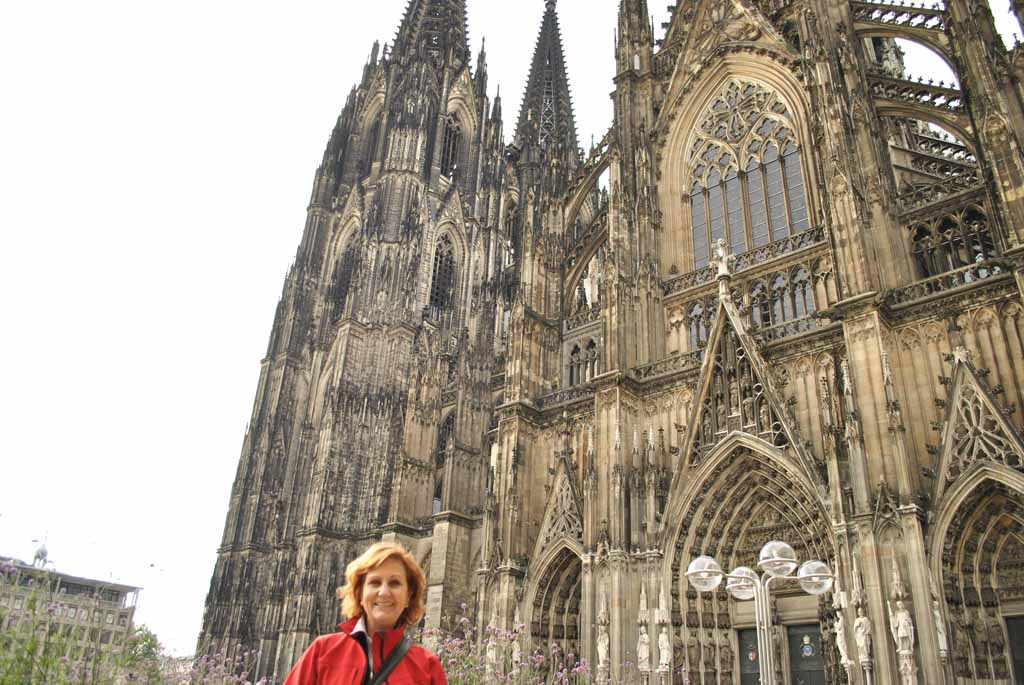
x,y
740,583
778,559
815,577
704,574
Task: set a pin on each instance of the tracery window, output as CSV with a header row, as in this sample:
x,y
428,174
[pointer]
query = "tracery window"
x,y
782,297
583,363
450,145
443,283
951,241
699,318
746,180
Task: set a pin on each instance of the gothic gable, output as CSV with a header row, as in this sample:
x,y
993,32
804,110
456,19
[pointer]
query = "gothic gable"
x,y
563,517
738,395
976,431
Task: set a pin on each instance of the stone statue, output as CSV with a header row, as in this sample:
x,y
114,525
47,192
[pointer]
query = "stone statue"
x,y
902,627
996,641
693,653
664,650
844,652
940,629
643,651
722,259
603,643
862,634
725,657
517,651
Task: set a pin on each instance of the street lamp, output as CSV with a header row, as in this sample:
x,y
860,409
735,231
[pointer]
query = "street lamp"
x,y
778,562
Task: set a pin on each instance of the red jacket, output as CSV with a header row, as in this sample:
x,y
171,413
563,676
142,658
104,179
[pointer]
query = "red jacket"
x,y
339,659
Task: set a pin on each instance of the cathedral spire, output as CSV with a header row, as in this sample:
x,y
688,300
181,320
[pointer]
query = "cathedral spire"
x,y
434,29
546,116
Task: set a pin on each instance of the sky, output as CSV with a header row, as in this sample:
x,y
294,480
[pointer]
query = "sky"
x,y
156,161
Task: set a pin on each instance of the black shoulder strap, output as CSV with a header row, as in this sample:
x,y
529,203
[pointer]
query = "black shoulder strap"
x,y
393,658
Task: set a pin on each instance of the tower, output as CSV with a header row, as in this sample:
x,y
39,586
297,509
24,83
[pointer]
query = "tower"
x,y
374,395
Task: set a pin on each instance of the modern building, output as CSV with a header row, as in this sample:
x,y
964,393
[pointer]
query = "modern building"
x,y
780,299
91,616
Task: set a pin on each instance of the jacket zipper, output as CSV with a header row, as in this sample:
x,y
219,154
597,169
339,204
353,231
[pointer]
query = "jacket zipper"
x,y
382,651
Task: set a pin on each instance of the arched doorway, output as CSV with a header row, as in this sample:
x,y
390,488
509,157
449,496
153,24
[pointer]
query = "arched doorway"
x,y
979,551
742,496
555,615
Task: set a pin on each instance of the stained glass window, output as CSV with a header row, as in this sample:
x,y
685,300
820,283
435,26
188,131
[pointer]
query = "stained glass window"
x,y
743,190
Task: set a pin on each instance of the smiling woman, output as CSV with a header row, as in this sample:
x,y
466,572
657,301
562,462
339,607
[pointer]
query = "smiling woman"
x,y
382,596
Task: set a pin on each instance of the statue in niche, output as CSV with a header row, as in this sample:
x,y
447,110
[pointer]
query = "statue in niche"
x,y
603,643
643,650
664,650
996,641
734,398
725,659
766,420
721,415
902,628
709,654
862,634
693,653
748,407
840,627
940,628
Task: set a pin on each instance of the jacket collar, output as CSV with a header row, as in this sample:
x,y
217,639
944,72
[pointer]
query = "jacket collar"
x,y
357,625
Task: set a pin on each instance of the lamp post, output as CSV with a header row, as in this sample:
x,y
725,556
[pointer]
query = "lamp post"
x,y
778,562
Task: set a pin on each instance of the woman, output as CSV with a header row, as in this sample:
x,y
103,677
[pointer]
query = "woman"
x,y
383,594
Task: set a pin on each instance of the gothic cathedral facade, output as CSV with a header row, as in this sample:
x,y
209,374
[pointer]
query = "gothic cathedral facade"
x,y
781,299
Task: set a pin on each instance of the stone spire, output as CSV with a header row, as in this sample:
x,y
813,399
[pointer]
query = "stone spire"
x,y
434,29
546,116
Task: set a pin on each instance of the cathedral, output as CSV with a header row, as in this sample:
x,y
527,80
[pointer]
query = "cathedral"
x,y
780,299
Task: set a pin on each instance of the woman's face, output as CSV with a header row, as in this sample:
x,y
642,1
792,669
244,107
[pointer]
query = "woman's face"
x,y
385,595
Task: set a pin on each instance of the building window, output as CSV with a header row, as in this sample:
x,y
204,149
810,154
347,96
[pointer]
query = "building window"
x,y
341,282
443,283
747,183
951,241
370,149
782,297
450,145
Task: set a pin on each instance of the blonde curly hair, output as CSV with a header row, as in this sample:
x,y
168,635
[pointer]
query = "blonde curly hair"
x,y
351,593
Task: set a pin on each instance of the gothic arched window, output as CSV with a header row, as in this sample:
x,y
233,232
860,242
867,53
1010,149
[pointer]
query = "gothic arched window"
x,y
341,281
952,241
370,149
444,438
450,144
747,183
443,283
782,298
590,362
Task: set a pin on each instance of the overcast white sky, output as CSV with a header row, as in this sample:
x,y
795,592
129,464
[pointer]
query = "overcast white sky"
x,y
156,160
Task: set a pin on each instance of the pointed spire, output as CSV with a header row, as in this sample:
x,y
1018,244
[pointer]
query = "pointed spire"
x,y
434,28
546,116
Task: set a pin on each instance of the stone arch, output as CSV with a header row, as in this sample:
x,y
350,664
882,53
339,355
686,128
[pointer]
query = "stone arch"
x,y
953,124
744,494
551,602
976,549
933,41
